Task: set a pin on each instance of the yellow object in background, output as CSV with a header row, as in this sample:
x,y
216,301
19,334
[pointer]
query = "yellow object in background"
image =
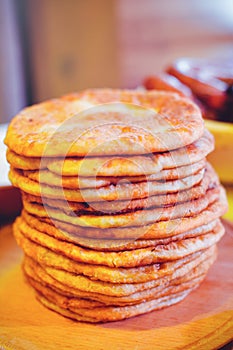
x,y
222,157
229,214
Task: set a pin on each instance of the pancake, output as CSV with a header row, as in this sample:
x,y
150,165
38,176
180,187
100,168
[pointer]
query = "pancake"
x,y
62,299
105,299
75,304
137,257
115,244
120,207
186,274
120,192
75,182
118,166
156,230
36,272
137,165
24,163
45,256
136,218
132,122
121,313
209,181
116,290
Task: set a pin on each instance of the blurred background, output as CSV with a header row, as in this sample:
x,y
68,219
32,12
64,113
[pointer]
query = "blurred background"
x,y
51,47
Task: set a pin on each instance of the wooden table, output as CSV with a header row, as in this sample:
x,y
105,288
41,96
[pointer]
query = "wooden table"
x,y
204,320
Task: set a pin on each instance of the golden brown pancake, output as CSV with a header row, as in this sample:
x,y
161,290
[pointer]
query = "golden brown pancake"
x,y
114,244
156,230
146,122
83,307
75,302
130,258
135,218
71,293
120,208
118,166
119,290
36,272
184,274
117,314
75,182
209,181
120,192
45,256
134,166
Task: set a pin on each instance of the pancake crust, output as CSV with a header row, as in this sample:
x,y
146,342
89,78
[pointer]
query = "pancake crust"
x,y
114,244
45,256
137,165
119,192
171,122
118,290
156,230
121,313
71,302
136,218
118,166
36,272
75,182
209,181
83,307
137,257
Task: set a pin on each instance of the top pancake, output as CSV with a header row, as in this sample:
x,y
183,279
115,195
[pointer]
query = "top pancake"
x,y
130,122
118,166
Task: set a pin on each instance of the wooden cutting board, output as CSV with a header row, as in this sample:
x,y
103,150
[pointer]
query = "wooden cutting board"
x,y
204,320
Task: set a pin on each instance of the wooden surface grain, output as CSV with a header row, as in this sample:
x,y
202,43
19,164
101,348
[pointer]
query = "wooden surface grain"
x,y
204,320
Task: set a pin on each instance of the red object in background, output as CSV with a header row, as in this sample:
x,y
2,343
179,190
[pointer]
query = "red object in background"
x,y
164,81
209,89
10,203
209,84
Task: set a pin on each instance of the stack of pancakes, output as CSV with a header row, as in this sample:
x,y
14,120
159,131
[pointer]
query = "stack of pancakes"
x,y
121,209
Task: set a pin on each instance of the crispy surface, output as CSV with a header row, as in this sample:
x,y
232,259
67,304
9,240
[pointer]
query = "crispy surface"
x,y
137,165
135,218
36,272
102,312
156,230
20,162
71,302
114,244
118,290
120,192
47,257
120,314
119,166
168,289
130,258
172,122
74,182
209,181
